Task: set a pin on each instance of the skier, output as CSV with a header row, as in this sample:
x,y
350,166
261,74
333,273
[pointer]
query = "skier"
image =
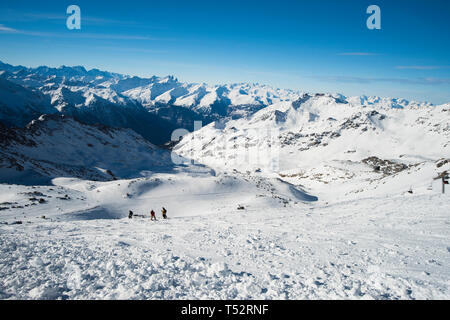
x,y
130,215
164,213
153,215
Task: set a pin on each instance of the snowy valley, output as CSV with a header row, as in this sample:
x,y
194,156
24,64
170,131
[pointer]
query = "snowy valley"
x,y
281,195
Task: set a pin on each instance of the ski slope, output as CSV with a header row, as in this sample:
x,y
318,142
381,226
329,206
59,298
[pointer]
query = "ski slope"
x,y
283,245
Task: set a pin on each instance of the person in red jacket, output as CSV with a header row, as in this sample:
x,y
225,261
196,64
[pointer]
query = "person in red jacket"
x,y
153,215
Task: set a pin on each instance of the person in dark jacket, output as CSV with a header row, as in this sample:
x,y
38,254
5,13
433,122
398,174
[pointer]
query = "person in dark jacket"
x,y
153,215
130,215
164,213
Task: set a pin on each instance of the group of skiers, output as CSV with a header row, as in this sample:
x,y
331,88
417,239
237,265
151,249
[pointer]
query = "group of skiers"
x,y
152,214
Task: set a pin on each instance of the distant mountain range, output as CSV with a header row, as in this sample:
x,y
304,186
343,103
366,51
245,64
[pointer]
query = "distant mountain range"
x,y
97,125
153,107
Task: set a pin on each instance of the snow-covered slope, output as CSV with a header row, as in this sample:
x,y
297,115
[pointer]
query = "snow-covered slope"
x,y
58,146
325,127
19,105
100,105
327,135
73,240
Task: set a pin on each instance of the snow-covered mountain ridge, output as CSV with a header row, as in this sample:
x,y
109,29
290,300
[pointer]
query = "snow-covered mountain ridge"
x,y
57,146
112,99
326,125
330,143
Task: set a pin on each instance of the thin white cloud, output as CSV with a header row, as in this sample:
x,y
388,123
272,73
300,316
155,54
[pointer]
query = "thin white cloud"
x,y
422,67
131,49
416,81
76,34
357,54
7,30
437,80
107,36
16,17
85,18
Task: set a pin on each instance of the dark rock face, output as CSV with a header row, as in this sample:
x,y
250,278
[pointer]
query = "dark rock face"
x,y
442,162
386,167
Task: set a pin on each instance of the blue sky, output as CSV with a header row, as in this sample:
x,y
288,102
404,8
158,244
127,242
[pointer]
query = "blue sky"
x,y
318,46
